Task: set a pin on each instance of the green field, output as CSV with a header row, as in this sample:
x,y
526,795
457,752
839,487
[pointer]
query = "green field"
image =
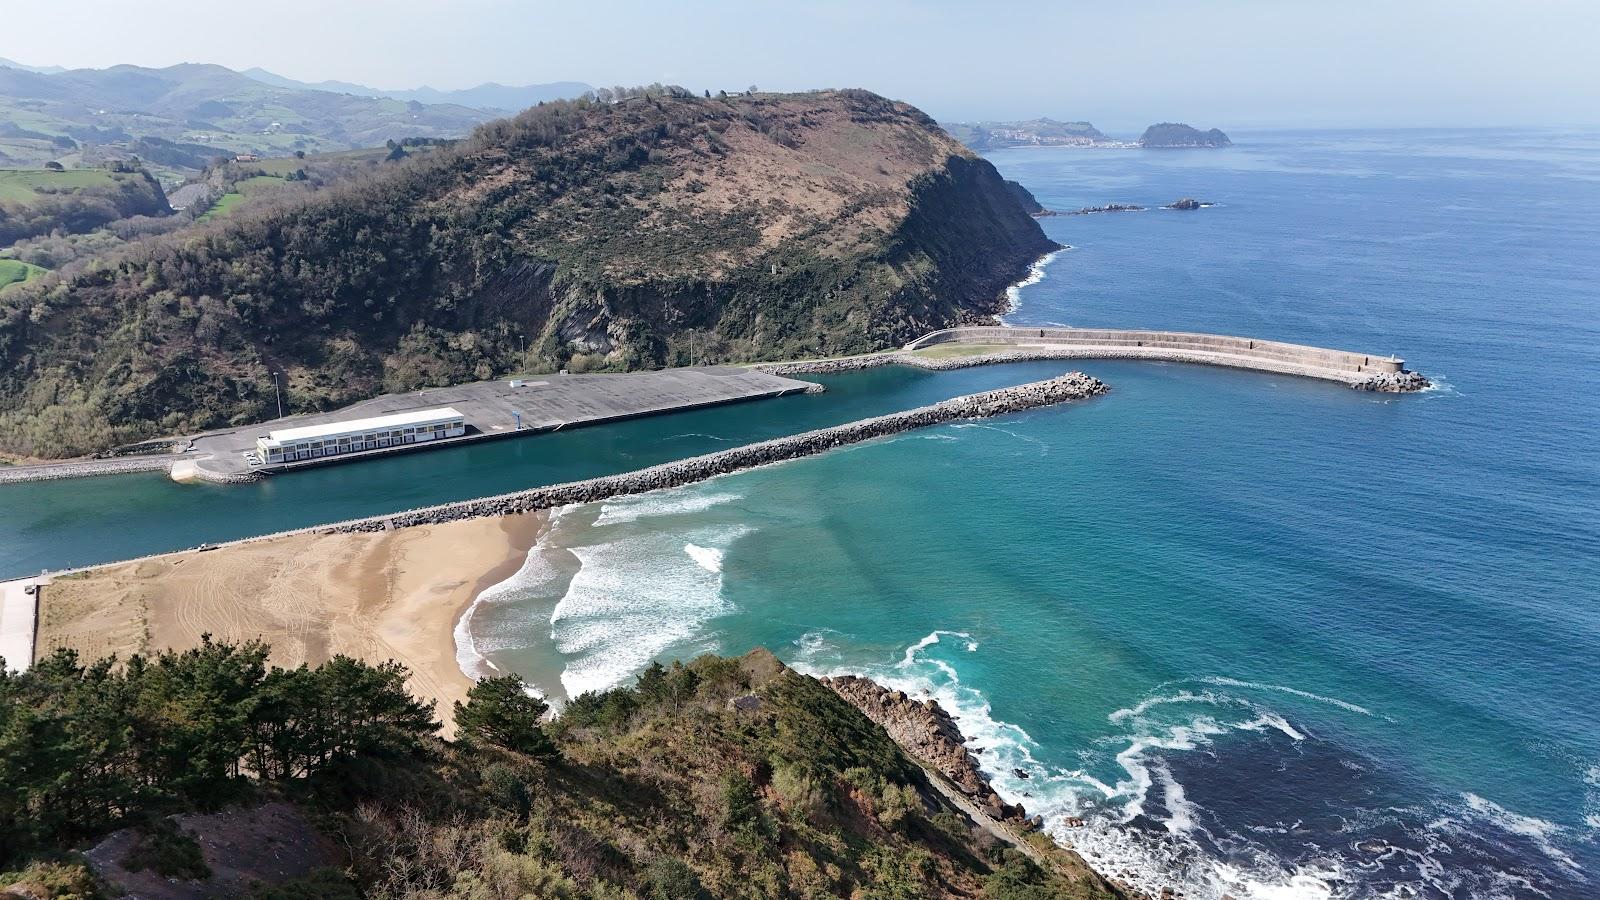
x,y
15,271
21,185
224,204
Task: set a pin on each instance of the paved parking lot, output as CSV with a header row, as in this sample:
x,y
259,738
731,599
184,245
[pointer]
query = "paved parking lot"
x,y
544,403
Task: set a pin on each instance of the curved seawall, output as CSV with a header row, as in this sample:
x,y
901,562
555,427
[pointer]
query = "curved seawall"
x,y
1364,371
1356,370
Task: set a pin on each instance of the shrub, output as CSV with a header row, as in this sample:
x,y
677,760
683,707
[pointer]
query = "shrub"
x,y
167,850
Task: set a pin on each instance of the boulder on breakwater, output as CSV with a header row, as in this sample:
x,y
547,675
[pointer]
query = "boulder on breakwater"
x,y
1393,383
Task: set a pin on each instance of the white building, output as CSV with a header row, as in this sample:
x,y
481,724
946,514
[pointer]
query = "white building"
x,y
336,438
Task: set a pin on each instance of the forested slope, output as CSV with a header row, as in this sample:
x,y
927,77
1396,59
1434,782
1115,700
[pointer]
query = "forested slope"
x,y
578,234
721,778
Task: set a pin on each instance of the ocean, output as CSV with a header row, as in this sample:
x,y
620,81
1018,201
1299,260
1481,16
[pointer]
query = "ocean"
x,y
1268,637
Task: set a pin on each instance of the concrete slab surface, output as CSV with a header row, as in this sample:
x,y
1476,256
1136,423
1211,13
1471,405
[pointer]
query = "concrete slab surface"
x,y
491,408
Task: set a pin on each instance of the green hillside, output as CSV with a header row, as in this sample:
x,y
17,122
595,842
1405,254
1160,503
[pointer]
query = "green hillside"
x,y
14,271
594,235
183,116
74,201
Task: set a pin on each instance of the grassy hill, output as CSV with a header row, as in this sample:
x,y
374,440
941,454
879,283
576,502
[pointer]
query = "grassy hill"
x,y
577,234
74,201
13,271
182,115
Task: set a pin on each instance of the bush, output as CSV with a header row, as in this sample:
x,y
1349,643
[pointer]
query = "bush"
x,y
169,851
56,880
666,878
506,789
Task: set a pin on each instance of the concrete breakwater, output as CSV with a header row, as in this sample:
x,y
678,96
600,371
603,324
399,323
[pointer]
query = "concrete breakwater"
x,y
1358,371
1072,386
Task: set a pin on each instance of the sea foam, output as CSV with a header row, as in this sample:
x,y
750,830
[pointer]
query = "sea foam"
x,y
1035,275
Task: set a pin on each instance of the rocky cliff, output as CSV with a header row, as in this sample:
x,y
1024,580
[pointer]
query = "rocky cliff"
x,y
577,235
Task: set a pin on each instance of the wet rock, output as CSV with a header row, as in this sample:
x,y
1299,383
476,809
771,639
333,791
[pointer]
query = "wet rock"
x,y
925,731
1392,382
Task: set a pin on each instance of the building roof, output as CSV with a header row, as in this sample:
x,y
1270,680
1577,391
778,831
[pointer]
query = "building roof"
x,y
376,423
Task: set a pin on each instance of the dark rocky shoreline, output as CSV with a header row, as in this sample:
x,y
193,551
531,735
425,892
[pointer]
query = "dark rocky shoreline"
x,y
923,729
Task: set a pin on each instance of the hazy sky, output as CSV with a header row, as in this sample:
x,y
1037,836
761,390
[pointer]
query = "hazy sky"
x,y
1120,63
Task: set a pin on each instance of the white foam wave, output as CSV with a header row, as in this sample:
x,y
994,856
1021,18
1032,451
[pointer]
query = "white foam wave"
x,y
1258,686
1035,275
657,504
472,648
631,600
1540,831
708,558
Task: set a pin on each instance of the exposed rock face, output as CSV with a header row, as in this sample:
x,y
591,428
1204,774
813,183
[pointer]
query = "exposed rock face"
x,y
1186,203
1030,204
923,729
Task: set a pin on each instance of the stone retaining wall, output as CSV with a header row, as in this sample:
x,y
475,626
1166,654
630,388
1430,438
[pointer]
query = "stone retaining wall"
x,y
1072,386
55,472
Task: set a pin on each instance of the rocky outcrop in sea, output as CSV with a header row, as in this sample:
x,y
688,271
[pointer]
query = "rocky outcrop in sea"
x,y
1109,207
925,731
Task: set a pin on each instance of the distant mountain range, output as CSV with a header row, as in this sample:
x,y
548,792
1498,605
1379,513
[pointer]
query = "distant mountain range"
x,y
40,70
1047,132
489,95
179,117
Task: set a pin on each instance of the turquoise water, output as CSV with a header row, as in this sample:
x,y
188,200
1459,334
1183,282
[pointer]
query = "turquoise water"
x,y
1271,637
62,524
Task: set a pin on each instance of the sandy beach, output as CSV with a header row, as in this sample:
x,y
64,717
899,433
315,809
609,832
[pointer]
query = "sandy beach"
x,y
375,596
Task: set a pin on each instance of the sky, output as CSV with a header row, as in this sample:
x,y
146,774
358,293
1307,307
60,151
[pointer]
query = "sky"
x,y
1119,63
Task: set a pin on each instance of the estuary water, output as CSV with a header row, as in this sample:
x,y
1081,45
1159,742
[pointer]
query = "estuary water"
x,y
1268,637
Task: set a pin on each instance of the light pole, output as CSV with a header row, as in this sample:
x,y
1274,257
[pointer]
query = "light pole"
x,y
277,395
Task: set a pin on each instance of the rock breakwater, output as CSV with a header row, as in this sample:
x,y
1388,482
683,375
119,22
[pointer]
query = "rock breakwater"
x,y
1062,389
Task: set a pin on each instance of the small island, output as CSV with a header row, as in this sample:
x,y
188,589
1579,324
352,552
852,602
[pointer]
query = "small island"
x,y
1109,207
1176,135
1188,203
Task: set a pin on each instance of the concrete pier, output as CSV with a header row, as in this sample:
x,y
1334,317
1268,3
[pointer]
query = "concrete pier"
x,y
492,409
1211,349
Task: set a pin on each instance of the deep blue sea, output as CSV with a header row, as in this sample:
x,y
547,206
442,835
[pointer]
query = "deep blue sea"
x,y
1270,637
